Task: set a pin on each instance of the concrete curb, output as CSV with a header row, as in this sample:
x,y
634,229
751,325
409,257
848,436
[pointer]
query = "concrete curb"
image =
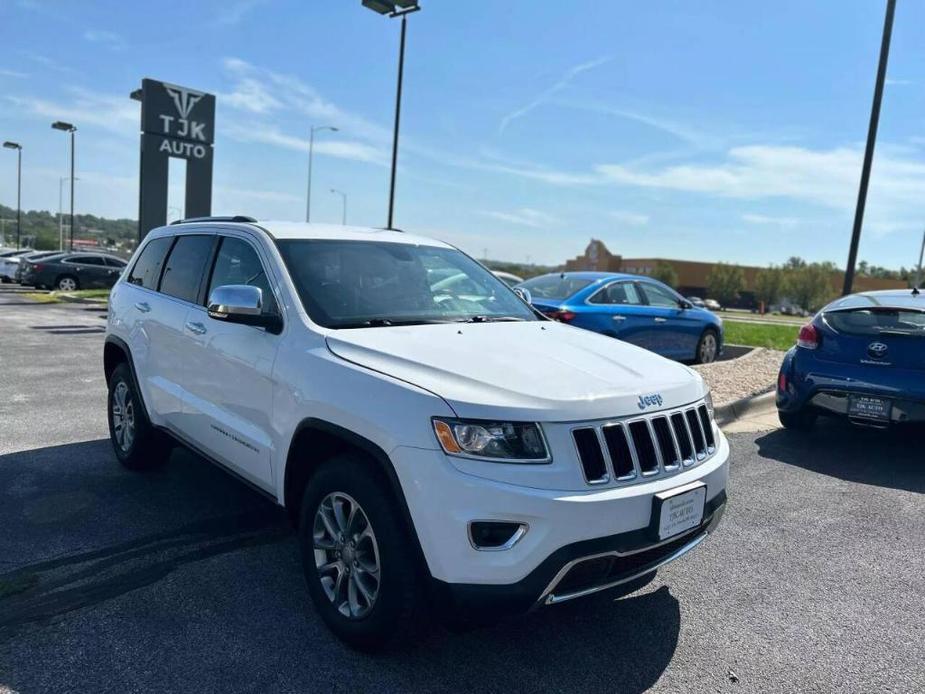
x,y
726,414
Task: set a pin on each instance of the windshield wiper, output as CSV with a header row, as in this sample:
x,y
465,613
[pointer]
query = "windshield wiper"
x,y
388,323
491,319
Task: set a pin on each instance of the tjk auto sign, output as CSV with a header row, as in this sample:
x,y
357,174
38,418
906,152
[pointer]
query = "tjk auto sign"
x,y
175,122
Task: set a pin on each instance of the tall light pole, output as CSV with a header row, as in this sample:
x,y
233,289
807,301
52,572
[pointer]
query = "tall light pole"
x,y
869,150
18,148
918,273
343,216
395,8
68,128
311,152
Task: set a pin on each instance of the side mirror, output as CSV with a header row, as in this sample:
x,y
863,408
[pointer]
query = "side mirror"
x,y
524,294
685,304
241,303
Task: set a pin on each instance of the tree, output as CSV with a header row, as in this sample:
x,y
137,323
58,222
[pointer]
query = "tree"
x,y
769,285
794,262
725,282
665,272
811,286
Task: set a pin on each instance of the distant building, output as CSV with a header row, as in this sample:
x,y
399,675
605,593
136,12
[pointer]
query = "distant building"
x,y
692,274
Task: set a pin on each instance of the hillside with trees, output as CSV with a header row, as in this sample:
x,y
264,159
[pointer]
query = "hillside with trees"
x,y
40,229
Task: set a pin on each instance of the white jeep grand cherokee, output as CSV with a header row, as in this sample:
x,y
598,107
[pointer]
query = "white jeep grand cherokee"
x,y
438,443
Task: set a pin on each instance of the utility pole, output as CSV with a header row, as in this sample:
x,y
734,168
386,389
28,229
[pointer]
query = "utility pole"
x,y
869,149
918,273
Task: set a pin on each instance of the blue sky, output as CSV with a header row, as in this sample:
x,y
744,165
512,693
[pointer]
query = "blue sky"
x,y
709,130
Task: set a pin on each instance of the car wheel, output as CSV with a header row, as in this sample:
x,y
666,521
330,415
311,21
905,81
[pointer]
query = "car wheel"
x,y
66,283
137,444
357,556
708,347
800,420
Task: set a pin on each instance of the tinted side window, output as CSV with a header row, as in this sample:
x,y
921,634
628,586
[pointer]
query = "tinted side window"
x,y
185,267
237,263
660,297
93,260
115,262
147,268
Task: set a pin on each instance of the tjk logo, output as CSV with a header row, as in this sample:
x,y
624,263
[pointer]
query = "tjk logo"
x,y
185,100
650,400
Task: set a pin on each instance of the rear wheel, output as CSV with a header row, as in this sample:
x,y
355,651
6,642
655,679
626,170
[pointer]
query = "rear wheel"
x,y
357,557
708,347
137,444
66,283
800,420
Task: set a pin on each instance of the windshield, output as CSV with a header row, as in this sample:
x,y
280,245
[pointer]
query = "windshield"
x,y
353,284
878,321
555,286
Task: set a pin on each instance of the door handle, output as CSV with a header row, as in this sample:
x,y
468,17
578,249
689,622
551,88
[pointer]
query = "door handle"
x,y
196,328
660,320
619,317
143,306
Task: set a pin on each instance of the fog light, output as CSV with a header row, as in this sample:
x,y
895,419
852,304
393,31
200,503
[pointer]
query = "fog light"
x,y
495,535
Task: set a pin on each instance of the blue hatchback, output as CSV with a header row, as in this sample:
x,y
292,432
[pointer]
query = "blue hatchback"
x,y
632,308
862,357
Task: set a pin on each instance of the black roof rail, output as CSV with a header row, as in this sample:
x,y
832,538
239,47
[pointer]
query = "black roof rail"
x,y
235,218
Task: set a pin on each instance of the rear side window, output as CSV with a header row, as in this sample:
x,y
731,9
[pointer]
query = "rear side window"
x,y
877,321
555,286
624,293
147,268
185,267
237,263
114,262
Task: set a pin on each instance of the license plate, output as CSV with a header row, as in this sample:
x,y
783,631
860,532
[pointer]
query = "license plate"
x,y
869,407
680,509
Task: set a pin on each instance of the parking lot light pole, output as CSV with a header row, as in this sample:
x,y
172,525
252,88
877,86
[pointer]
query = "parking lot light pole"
x,y
311,152
395,8
343,216
69,128
18,148
869,149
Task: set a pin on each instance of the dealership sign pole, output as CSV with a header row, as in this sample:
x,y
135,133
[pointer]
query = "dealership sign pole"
x,y
175,122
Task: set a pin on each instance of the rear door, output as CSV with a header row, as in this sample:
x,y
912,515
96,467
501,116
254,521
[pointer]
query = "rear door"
x,y
229,368
617,309
90,270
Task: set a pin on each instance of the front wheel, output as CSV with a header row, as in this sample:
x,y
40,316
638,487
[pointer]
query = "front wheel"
x,y
358,559
708,347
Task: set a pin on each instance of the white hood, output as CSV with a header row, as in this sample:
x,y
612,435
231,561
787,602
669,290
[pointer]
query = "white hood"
x,y
531,371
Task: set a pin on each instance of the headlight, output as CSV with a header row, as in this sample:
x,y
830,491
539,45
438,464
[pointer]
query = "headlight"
x,y
708,399
509,441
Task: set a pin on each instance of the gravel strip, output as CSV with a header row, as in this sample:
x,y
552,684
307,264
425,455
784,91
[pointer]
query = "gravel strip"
x,y
752,374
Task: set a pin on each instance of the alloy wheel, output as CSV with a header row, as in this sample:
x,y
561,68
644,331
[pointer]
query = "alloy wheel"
x,y
123,416
346,555
708,348
66,284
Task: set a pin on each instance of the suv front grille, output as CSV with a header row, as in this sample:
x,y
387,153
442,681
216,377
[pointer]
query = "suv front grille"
x,y
645,447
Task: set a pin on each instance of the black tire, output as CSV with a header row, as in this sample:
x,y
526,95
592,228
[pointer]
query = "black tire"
x,y
398,610
800,420
704,354
64,279
147,447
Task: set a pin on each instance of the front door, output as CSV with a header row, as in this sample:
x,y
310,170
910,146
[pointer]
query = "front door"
x,y
674,332
229,373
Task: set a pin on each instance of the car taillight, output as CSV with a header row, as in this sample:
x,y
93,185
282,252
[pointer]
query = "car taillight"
x,y
35,267
808,337
782,382
563,316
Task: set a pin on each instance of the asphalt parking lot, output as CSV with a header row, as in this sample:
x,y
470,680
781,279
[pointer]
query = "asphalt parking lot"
x,y
182,579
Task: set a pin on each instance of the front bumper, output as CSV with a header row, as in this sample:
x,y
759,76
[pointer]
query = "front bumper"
x,y
563,525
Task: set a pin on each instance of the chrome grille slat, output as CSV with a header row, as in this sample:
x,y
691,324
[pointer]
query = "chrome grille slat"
x,y
656,445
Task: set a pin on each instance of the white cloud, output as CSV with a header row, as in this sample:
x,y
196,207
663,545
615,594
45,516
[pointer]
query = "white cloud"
x,y
342,149
524,216
116,113
106,38
12,73
897,82
769,220
551,91
234,12
631,218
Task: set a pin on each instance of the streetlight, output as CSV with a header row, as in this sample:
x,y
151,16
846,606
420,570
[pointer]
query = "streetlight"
x,y
395,8
68,128
61,182
343,216
18,148
311,150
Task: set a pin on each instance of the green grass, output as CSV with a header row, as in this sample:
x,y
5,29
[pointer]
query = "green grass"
x,y
61,297
769,335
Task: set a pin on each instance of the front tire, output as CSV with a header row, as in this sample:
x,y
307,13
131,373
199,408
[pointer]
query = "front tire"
x,y
357,556
137,444
707,347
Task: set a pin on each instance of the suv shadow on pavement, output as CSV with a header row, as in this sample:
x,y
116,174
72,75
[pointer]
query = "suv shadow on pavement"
x,y
893,457
187,562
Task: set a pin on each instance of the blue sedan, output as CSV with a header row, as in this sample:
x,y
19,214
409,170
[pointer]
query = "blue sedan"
x,y
862,357
632,308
